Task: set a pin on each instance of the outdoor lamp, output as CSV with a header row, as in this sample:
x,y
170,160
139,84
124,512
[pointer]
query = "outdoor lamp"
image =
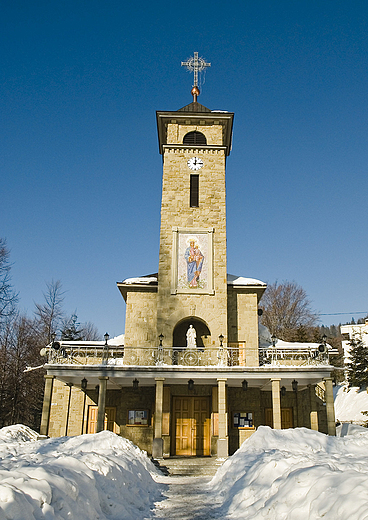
x,y
273,339
190,384
161,337
106,338
135,384
244,384
221,338
294,384
283,391
84,384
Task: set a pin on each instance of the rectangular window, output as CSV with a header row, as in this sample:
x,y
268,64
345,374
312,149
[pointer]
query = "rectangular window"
x,y
194,191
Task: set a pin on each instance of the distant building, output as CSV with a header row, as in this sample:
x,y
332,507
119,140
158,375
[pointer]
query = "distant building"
x,y
190,377
353,331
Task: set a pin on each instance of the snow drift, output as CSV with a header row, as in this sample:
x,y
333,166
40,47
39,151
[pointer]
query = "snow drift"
x,y
295,474
101,476
350,403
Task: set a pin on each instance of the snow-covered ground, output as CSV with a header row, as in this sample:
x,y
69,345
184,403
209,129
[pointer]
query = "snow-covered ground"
x,y
350,403
89,477
295,474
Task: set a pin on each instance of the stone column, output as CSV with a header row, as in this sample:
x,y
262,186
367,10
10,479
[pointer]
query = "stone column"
x,y
223,440
330,409
101,403
46,407
276,407
313,408
158,443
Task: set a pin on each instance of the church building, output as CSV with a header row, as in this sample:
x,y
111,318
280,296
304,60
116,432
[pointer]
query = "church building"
x,y
190,377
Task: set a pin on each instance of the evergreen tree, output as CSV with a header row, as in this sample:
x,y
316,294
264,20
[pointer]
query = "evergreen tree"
x,y
70,330
357,368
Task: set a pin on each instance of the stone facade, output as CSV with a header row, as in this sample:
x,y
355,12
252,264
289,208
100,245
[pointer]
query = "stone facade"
x,y
201,399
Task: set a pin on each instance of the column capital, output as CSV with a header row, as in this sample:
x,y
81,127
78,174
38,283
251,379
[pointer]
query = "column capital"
x,y
222,379
327,379
103,378
47,376
159,379
275,379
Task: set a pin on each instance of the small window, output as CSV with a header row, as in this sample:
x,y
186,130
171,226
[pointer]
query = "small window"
x,y
194,191
194,138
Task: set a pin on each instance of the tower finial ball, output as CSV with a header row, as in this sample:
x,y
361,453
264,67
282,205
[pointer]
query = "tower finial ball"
x,y
195,92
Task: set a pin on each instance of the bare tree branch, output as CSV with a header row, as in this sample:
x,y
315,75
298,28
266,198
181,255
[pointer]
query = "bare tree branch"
x,y
286,308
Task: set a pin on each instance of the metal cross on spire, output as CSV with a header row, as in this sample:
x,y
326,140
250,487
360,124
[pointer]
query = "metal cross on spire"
x,y
195,64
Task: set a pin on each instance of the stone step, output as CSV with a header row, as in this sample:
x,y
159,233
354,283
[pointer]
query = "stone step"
x,y
189,466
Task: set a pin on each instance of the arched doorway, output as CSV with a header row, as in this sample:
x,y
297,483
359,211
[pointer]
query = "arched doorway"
x,y
180,331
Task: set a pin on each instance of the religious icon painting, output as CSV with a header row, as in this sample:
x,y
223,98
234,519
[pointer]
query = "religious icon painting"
x,y
192,261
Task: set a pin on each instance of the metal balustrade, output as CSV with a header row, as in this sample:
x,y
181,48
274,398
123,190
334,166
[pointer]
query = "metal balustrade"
x,y
180,356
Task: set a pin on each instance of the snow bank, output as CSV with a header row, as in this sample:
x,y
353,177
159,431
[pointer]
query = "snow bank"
x,y
295,474
350,403
101,476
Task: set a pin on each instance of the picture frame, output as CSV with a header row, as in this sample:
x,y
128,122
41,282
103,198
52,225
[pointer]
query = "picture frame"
x,y
242,420
138,418
192,261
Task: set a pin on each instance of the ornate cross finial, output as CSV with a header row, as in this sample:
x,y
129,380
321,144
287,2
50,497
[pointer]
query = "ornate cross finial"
x,y
195,65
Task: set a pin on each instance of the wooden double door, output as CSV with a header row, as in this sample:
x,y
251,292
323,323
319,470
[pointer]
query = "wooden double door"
x,y
191,426
286,418
110,417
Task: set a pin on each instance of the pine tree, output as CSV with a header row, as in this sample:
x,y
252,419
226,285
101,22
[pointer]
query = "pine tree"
x,y
70,330
357,368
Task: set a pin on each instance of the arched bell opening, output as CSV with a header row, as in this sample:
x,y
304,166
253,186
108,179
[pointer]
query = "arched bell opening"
x,y
203,333
195,137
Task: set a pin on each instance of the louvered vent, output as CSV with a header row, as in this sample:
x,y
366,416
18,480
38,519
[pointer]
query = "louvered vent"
x,y
194,138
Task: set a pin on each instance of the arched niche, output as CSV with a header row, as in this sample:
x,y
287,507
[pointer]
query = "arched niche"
x,y
180,332
194,137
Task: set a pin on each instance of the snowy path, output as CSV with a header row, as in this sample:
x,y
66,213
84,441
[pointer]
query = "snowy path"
x,y
187,498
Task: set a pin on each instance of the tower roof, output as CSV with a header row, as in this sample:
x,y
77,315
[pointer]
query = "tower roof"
x,y
194,106
195,114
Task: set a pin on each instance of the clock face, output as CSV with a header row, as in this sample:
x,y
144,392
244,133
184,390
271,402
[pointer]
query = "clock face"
x,y
195,163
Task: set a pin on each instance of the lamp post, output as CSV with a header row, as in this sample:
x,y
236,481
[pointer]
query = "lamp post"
x,y
160,350
105,353
84,388
274,340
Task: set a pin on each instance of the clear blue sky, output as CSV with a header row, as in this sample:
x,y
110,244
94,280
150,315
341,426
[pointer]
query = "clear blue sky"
x,y
79,161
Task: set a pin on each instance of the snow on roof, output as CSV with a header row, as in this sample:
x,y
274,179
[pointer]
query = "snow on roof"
x,y
152,278
241,280
280,344
231,280
117,341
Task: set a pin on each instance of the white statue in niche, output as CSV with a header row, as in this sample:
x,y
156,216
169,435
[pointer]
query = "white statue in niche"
x,y
191,337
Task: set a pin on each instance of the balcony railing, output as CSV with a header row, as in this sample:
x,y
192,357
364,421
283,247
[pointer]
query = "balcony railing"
x,y
68,354
290,357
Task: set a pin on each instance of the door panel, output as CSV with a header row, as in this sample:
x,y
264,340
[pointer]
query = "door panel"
x,y
286,417
192,426
110,418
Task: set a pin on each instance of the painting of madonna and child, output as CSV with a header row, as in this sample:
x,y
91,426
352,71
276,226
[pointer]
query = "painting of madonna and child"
x,y
192,261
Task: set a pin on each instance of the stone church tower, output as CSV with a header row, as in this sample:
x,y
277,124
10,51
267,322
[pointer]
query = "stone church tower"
x,y
189,377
